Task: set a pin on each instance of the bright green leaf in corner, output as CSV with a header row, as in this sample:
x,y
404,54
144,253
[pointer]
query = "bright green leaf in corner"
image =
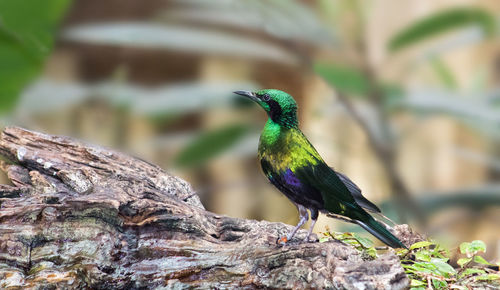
x,y
26,39
210,144
345,79
442,22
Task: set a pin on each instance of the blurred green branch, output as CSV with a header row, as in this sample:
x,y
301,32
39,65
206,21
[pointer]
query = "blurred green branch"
x,y
210,144
441,22
444,73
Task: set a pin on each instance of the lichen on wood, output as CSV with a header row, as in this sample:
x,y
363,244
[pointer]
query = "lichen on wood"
x,y
82,216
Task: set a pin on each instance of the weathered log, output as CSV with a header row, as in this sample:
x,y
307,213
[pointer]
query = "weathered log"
x,y
81,216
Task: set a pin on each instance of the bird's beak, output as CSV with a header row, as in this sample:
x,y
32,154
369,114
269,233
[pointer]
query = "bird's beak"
x,y
248,94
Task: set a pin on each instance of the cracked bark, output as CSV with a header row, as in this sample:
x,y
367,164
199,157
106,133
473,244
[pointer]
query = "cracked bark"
x,y
82,216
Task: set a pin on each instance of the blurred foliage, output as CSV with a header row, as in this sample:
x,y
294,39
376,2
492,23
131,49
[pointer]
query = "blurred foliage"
x,y
444,73
283,19
209,144
345,79
168,101
475,110
428,266
359,79
280,19
354,83
442,22
26,38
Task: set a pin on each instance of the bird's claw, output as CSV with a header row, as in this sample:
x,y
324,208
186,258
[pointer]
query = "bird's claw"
x,y
282,241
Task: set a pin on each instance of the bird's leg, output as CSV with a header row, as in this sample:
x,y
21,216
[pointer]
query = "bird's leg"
x,y
314,218
304,216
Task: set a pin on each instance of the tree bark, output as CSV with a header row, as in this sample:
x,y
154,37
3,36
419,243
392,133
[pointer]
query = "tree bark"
x,y
82,216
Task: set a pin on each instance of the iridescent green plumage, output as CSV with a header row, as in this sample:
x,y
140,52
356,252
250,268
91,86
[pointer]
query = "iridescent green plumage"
x,y
288,148
294,166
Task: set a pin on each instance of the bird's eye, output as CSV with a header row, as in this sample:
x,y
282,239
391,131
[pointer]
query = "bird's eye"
x,y
266,97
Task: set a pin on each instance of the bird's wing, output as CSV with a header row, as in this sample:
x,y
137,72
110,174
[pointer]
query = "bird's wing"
x,y
356,193
336,195
290,185
338,200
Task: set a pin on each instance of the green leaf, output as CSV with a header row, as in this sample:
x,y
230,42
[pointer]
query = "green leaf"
x,y
471,271
421,244
472,248
464,247
26,38
371,251
402,252
444,268
439,284
343,236
461,262
440,252
442,22
348,80
416,283
477,246
424,267
324,239
444,73
365,242
423,256
481,260
488,277
209,145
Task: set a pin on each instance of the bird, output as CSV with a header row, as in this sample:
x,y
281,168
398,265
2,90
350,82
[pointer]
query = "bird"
x,y
294,167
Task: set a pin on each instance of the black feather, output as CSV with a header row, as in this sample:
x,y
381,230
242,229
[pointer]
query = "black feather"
x,y
356,193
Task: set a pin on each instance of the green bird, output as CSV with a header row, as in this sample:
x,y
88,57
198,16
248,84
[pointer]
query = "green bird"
x,y
294,166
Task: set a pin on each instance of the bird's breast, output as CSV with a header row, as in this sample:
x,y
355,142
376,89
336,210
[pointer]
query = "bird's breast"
x,y
290,151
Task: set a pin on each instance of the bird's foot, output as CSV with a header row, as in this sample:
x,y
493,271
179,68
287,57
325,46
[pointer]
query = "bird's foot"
x,y
282,241
285,240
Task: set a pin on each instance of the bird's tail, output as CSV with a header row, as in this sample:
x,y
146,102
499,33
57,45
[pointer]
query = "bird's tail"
x,y
378,230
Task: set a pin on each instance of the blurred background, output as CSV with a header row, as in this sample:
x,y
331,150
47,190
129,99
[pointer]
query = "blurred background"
x,y
402,96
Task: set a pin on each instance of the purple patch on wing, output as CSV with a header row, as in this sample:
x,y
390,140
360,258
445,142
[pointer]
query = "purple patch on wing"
x,y
291,179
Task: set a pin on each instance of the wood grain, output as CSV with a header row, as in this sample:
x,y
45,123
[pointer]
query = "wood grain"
x,y
82,216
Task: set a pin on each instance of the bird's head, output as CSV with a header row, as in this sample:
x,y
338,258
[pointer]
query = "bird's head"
x,y
279,106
